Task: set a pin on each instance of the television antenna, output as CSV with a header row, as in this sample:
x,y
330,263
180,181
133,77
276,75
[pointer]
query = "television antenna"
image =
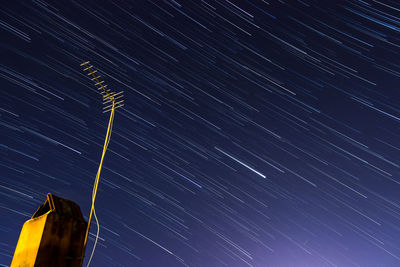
x,y
111,101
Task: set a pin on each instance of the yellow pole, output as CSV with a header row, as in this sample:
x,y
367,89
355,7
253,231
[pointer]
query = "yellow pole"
x,y
96,184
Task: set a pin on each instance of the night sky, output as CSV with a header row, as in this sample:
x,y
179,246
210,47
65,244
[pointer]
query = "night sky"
x,y
254,133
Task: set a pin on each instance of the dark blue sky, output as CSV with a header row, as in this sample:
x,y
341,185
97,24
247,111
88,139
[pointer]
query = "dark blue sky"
x,y
254,133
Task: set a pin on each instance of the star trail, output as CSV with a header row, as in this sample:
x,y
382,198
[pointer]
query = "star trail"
x,y
254,133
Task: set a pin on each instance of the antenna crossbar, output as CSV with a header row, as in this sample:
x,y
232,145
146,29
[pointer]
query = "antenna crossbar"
x,y
108,96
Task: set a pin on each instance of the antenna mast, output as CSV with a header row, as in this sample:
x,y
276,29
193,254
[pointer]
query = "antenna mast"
x,y
111,101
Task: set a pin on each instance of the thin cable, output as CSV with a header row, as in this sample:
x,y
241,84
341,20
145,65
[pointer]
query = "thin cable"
x,y
97,237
